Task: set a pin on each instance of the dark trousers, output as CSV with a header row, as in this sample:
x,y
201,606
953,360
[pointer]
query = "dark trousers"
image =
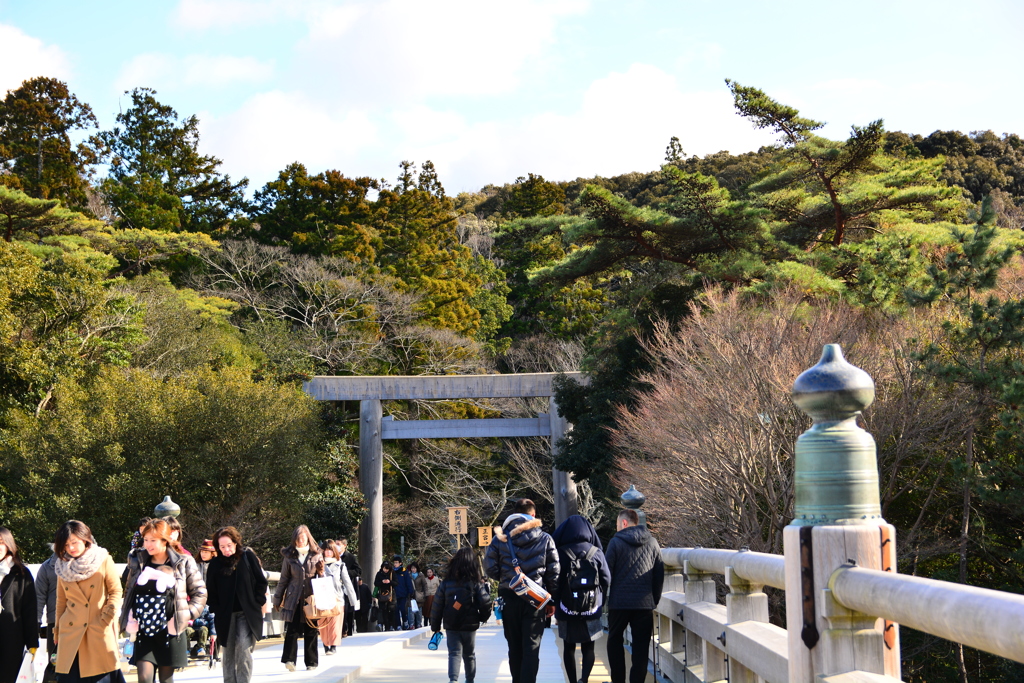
x,y
402,610
298,627
524,629
641,625
349,622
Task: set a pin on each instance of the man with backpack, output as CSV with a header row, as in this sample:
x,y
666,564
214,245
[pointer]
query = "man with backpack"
x,y
519,547
638,574
582,585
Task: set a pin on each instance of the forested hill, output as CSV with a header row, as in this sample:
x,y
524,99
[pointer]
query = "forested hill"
x,y
157,319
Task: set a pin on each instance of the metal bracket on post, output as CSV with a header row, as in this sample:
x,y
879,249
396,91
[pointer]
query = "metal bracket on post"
x,y
809,632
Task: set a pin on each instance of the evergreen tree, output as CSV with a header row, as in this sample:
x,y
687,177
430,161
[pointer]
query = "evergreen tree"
x,y
323,214
36,120
158,179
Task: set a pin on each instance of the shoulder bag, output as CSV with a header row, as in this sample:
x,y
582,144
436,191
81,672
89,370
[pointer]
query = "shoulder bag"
x,y
525,587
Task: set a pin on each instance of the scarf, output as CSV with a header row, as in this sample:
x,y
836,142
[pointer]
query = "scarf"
x,y
82,567
303,553
6,565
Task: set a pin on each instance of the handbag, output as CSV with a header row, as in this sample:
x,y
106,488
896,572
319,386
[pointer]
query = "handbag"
x,y
313,614
525,587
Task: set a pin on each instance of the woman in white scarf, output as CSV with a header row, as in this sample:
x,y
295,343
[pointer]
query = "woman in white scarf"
x,y
88,599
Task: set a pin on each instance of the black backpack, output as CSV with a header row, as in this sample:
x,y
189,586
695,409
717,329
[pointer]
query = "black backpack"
x,y
581,582
461,607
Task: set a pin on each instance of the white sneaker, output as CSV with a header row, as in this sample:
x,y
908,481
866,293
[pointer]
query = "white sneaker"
x,y
290,666
310,668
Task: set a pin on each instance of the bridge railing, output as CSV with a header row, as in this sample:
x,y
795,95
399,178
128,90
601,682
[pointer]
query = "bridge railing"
x,y
703,640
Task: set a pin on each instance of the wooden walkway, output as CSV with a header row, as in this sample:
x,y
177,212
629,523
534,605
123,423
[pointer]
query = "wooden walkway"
x,y
397,657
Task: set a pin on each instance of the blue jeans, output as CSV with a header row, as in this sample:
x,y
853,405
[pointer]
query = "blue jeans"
x,y
461,648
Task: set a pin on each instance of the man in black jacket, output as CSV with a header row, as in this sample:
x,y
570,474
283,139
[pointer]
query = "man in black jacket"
x,y
638,574
538,558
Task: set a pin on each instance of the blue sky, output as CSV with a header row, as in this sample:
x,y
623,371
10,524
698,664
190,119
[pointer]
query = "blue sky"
x,y
493,90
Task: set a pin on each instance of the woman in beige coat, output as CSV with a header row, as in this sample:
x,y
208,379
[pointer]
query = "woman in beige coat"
x,y
88,598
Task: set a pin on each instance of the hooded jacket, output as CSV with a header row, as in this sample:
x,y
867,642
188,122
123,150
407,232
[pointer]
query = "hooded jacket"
x,y
578,535
638,573
535,551
46,591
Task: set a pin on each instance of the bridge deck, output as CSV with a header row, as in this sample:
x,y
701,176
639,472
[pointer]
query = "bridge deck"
x,y
399,656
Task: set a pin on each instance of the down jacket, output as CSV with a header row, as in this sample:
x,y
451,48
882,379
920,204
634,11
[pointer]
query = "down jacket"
x,y
189,587
578,535
296,582
534,548
638,573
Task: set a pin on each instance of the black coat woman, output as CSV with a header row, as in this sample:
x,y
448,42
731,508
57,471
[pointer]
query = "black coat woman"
x,y
302,562
384,588
19,625
237,593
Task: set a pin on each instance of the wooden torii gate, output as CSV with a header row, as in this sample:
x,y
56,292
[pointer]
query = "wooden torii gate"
x,y
373,429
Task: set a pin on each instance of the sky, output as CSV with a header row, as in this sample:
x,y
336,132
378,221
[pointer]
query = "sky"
x,y
490,90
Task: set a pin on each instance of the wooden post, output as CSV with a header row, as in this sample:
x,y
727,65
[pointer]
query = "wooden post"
x,y
837,521
745,602
566,501
371,484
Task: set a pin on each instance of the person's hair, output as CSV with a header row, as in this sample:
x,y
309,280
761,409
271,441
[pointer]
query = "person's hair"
x,y
175,525
162,530
303,529
70,528
524,506
143,521
343,540
7,538
463,567
236,538
385,565
413,564
629,516
331,545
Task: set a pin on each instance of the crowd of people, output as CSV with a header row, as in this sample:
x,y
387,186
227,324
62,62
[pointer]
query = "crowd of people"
x,y
167,606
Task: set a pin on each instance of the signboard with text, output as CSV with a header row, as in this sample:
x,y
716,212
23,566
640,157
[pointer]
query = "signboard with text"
x,y
484,533
458,520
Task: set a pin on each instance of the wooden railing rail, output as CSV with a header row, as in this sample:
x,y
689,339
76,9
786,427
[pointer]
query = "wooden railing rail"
x,y
987,620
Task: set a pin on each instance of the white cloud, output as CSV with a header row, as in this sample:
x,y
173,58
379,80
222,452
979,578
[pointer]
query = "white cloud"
x,y
273,129
23,57
167,72
623,124
403,50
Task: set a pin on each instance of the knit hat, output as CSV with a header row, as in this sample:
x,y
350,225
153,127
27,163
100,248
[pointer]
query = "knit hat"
x,y
515,520
207,546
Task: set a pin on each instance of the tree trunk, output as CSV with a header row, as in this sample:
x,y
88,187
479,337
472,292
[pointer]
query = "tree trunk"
x,y
39,161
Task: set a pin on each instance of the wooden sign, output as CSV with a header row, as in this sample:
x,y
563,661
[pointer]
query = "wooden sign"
x,y
484,533
458,520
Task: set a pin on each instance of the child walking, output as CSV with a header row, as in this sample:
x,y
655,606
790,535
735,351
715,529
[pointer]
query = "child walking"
x,y
461,604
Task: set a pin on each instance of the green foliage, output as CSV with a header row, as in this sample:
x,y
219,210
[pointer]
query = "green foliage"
x,y
223,446
533,196
323,214
158,179
35,146
58,321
